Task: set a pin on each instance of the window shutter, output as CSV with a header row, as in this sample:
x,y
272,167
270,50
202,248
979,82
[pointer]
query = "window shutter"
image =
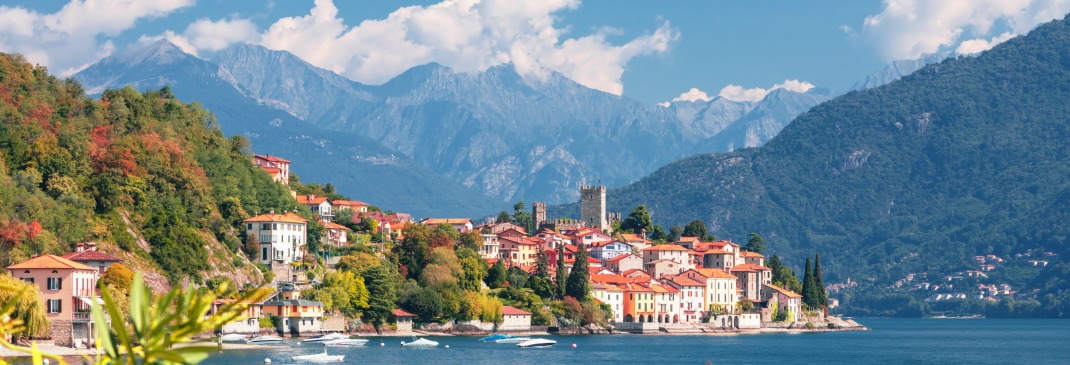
x,y
59,283
59,306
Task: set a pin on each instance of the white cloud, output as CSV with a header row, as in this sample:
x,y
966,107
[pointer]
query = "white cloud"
x,y
465,35
693,95
980,45
66,41
906,29
207,35
739,93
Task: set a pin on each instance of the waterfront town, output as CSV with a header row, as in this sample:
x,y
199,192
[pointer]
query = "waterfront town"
x,y
685,285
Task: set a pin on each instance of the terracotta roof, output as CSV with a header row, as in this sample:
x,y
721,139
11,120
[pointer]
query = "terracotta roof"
x,y
685,281
637,288
750,267
49,262
715,251
288,217
714,273
750,254
350,203
332,225
619,257
438,221
669,247
788,293
688,239
633,237
91,255
401,313
271,158
663,289
511,311
271,170
610,279
309,199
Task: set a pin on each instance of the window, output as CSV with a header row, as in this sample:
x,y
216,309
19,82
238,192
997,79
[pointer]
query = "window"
x,y
250,226
265,226
54,305
55,283
28,280
274,226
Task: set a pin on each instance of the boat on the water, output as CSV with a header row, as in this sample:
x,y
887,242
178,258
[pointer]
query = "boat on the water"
x,y
324,357
537,342
345,342
495,337
233,337
513,340
420,343
264,340
327,337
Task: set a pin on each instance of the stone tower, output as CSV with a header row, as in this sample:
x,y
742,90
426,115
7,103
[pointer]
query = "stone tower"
x,y
593,206
538,215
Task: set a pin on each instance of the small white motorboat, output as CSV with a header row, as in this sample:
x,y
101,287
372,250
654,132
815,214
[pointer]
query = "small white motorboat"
x,y
346,342
233,337
537,342
513,340
264,340
420,343
324,357
327,337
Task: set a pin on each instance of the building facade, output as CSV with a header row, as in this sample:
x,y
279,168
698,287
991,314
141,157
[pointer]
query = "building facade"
x,y
280,237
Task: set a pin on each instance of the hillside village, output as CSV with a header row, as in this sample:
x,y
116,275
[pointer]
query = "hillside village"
x,y
642,285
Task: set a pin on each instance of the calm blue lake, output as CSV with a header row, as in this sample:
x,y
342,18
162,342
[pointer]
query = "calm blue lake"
x,y
891,341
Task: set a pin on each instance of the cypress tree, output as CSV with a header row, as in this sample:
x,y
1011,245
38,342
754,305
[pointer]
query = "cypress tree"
x,y
810,294
542,268
819,283
579,283
559,279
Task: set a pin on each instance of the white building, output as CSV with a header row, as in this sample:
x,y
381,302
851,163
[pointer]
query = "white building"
x,y
611,295
281,237
515,319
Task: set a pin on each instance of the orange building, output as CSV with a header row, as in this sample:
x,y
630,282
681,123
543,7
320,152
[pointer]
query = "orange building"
x,y
638,303
67,289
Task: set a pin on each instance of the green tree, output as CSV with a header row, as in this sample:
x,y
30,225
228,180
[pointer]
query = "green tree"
x,y
356,262
497,275
475,269
382,294
811,297
755,243
783,276
579,282
472,240
697,228
521,216
675,232
823,298
117,275
504,217
342,291
637,220
414,249
25,306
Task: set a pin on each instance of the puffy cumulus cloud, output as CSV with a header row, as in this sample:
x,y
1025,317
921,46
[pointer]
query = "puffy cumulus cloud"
x,y
465,35
207,35
739,93
980,44
906,29
67,41
693,95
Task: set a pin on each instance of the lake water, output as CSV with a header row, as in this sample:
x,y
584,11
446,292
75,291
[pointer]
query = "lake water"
x,y
891,341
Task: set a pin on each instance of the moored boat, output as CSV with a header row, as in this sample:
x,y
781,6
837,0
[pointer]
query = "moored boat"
x,y
513,340
264,340
537,342
327,337
420,343
345,342
324,357
495,337
233,337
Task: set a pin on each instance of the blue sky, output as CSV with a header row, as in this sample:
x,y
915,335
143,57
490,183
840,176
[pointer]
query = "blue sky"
x,y
647,50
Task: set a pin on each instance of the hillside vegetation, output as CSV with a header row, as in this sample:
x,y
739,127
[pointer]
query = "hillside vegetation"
x,y
965,157
151,179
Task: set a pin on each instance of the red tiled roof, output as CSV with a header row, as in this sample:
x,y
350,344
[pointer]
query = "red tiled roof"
x,y
688,239
619,257
401,313
271,158
610,279
438,221
91,255
350,203
633,237
271,170
750,267
685,281
309,199
750,254
288,217
49,262
332,225
788,293
669,247
714,273
511,311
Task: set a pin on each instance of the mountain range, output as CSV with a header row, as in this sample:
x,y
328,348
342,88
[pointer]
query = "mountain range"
x,y
964,157
471,141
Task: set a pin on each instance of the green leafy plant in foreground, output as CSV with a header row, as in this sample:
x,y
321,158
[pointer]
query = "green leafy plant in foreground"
x,y
159,330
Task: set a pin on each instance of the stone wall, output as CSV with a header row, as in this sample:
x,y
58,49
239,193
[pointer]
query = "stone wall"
x,y
297,326
62,332
244,326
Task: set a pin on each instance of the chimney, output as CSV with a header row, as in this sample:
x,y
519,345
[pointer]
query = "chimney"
x,y
642,233
310,197
79,247
91,246
272,211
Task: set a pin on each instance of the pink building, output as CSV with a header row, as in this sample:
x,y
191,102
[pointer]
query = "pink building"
x,y
278,168
67,288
